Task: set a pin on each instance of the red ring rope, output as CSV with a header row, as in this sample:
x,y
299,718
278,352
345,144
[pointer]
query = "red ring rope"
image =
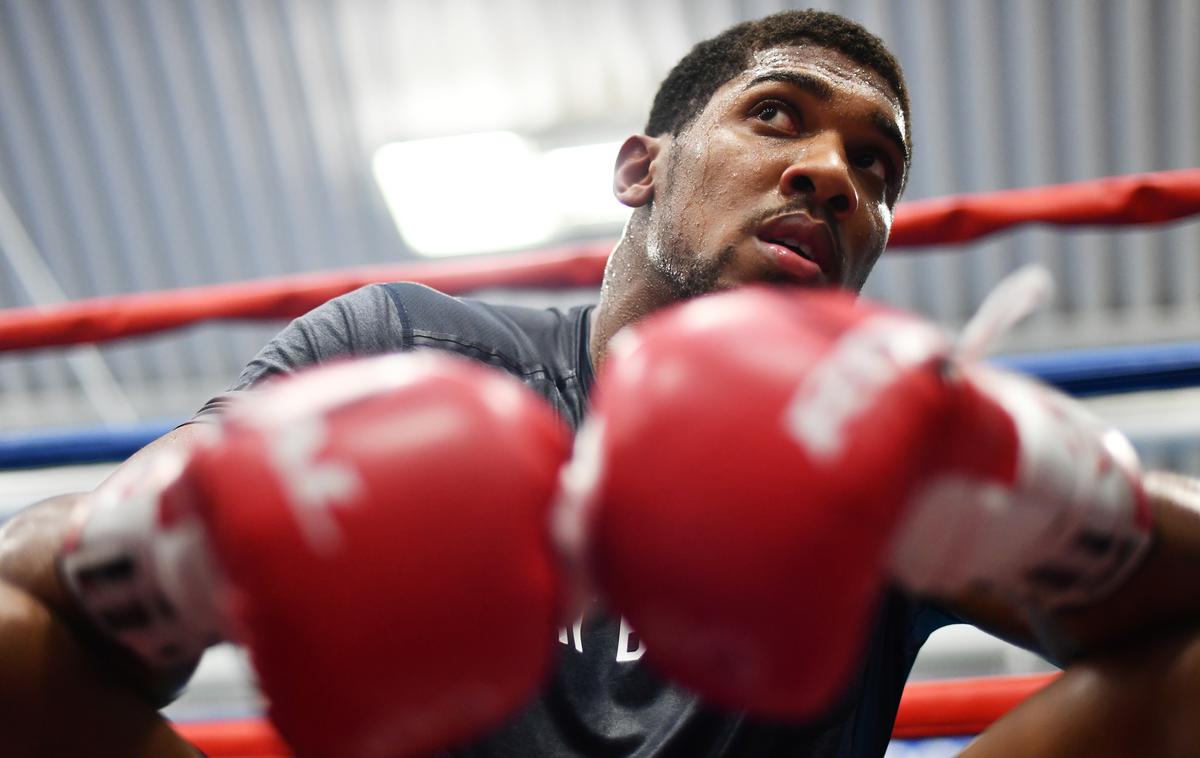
x,y
1136,199
1152,198
961,706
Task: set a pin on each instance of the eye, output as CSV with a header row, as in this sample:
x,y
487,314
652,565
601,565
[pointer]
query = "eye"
x,y
873,162
778,114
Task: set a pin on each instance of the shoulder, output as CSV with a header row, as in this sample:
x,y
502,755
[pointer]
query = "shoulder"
x,y
531,343
398,316
362,322
430,310
516,338
358,323
543,347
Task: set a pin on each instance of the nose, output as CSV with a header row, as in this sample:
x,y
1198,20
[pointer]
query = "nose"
x,y
820,169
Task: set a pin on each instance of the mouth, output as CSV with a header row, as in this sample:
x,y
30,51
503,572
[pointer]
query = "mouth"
x,y
802,247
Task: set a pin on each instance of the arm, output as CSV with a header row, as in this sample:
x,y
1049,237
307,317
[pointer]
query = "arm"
x,y
53,670
1134,690
1163,591
58,698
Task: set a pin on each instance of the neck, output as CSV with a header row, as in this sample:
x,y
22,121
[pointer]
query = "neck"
x,y
632,289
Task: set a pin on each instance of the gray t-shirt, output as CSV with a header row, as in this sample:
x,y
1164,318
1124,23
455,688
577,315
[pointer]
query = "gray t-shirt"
x,y
546,349
601,700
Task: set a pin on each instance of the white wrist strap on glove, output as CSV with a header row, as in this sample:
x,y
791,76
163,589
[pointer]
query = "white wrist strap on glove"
x,y
139,567
1068,531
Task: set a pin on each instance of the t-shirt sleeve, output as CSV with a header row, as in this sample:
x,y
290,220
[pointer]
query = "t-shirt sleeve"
x,y
360,323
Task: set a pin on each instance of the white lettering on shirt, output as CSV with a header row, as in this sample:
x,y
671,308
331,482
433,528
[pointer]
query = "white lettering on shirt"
x,y
629,645
624,652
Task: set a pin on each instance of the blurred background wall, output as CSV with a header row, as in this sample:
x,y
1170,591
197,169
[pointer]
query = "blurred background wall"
x,y
147,144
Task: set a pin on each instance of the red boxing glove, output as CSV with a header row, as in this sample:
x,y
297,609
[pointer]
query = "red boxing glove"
x,y
379,530
760,463
727,488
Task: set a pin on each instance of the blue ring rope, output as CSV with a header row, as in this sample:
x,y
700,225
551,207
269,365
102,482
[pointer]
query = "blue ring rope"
x,y
1109,371
65,447
1082,373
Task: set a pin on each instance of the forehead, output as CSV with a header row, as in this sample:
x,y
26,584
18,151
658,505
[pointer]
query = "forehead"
x,y
845,77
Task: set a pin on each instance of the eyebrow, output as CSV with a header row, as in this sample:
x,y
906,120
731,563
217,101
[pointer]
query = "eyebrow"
x,y
820,89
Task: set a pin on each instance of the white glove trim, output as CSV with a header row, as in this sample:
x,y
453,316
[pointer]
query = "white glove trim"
x,y
141,574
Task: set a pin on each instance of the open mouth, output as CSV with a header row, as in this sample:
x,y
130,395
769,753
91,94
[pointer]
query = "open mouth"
x,y
799,248
803,246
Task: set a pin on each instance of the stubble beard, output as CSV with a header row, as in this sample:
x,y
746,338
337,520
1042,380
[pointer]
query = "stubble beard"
x,y
686,273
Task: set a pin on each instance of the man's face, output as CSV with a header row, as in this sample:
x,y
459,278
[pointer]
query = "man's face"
x,y
789,175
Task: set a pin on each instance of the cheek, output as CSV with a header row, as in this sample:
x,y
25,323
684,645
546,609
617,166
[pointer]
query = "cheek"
x,y
710,188
741,182
876,224
870,237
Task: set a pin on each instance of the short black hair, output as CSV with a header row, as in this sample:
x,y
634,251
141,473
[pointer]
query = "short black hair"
x,y
711,63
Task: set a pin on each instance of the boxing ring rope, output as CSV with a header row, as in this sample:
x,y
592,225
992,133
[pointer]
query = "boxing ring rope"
x,y
954,707
1150,198
927,709
1081,373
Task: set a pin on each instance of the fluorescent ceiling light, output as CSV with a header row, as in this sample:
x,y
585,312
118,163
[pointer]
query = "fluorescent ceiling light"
x,y
493,191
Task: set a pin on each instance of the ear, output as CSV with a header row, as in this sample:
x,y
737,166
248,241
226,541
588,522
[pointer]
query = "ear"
x,y
633,178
